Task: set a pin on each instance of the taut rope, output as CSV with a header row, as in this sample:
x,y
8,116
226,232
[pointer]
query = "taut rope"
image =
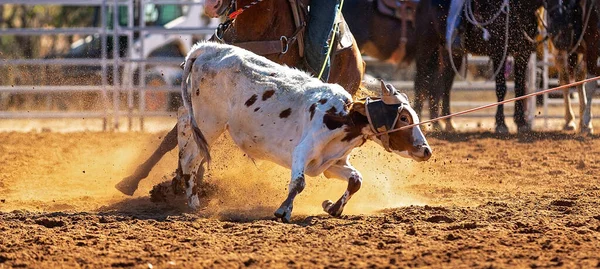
x,y
594,79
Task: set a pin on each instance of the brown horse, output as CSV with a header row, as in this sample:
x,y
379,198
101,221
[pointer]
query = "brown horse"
x,y
382,30
273,29
574,31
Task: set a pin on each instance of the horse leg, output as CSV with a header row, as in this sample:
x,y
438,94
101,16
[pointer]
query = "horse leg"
x,y
447,78
585,101
342,170
501,127
422,79
585,107
520,89
130,184
433,90
565,72
427,43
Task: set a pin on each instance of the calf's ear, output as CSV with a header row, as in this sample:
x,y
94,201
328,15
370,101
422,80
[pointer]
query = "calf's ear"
x,y
360,108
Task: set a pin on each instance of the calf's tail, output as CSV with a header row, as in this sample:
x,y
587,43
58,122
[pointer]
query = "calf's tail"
x,y
187,102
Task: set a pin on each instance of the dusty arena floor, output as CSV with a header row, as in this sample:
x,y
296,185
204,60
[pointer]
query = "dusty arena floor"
x,y
481,201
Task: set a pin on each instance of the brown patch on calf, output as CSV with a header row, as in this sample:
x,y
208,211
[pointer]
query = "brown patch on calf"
x,y
323,101
312,109
286,113
197,91
267,94
334,120
251,100
357,121
256,109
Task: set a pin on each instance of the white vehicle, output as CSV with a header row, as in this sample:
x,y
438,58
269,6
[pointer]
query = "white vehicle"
x,y
156,42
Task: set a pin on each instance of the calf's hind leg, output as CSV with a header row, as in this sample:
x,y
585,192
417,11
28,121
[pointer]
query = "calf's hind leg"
x,y
130,184
342,170
190,160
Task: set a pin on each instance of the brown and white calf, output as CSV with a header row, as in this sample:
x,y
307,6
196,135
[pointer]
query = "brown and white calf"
x,y
284,115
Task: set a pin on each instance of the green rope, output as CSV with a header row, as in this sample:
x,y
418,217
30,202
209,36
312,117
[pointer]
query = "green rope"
x,y
335,29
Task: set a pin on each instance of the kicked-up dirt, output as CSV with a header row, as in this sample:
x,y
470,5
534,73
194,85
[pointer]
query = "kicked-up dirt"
x,y
481,201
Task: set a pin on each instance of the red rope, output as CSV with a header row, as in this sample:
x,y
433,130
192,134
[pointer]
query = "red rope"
x,y
236,13
493,104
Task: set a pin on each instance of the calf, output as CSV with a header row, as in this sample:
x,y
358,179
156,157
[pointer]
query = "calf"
x,y
284,115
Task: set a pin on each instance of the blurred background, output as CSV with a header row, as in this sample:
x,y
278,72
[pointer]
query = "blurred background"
x,y
114,65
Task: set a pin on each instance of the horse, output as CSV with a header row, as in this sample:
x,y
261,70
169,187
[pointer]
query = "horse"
x,y
383,30
273,29
573,29
497,28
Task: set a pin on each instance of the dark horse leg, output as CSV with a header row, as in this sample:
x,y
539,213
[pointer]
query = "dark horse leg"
x,y
435,91
425,81
446,81
521,60
129,184
501,127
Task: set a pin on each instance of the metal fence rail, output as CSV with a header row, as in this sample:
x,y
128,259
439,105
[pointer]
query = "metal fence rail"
x,y
127,64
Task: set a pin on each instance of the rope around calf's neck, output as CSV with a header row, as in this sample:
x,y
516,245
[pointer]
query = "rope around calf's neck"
x,y
492,105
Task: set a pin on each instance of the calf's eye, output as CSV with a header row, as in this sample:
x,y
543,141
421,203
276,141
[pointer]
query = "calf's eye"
x,y
404,119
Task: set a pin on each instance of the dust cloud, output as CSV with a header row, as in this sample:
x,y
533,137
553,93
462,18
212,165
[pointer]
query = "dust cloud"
x,y
78,171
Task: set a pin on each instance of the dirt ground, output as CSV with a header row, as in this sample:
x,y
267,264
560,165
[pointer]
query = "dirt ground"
x,y
481,201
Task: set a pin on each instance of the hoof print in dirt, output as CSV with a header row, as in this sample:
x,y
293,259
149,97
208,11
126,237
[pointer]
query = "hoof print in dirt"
x,y
452,237
439,219
567,203
50,223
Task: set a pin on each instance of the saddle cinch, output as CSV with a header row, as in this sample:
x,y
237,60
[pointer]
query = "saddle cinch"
x,y
403,10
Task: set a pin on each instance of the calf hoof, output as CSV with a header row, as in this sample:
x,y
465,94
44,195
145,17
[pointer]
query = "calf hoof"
x,y
284,213
126,186
501,129
333,209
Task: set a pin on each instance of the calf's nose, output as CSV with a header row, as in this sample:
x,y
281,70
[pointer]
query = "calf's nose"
x,y
427,153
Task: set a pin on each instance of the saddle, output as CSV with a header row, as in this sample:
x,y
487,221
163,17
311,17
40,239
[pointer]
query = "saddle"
x,y
399,9
405,11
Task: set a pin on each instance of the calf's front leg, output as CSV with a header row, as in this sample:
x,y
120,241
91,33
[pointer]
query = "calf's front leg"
x,y
297,183
342,170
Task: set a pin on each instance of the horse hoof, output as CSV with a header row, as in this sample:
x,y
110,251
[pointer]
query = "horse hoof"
x,y
586,130
525,128
502,129
569,126
450,128
284,214
126,187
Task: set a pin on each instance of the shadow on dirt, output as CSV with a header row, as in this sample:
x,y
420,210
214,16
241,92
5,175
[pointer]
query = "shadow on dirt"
x,y
143,208
529,137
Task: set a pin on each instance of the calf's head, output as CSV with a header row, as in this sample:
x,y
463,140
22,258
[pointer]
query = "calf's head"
x,y
393,111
